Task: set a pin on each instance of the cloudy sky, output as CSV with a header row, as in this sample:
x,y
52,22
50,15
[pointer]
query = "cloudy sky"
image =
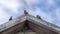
x,y
49,10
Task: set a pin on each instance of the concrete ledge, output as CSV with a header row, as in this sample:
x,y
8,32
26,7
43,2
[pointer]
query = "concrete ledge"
x,y
34,23
40,29
13,29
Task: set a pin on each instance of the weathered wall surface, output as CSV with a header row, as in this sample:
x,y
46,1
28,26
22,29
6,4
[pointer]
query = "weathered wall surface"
x,y
40,29
14,29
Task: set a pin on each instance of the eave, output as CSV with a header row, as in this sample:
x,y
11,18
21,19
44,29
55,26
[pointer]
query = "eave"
x,y
30,18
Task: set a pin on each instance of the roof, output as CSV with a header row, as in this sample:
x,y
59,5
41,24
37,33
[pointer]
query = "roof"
x,y
30,18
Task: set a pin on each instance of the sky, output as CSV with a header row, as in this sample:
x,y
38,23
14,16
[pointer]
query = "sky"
x,y
48,10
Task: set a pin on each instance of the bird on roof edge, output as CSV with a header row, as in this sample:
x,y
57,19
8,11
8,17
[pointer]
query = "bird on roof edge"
x,y
38,16
25,12
10,18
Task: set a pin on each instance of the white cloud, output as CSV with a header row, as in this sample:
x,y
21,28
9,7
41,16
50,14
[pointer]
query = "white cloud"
x,y
9,8
11,4
12,7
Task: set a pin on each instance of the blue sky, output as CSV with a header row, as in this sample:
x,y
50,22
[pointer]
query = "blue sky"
x,y
49,10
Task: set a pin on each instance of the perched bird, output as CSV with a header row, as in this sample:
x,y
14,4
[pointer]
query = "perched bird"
x,y
25,12
10,18
38,16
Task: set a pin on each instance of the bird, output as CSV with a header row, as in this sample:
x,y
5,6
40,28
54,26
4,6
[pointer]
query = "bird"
x,y
10,18
38,16
25,12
